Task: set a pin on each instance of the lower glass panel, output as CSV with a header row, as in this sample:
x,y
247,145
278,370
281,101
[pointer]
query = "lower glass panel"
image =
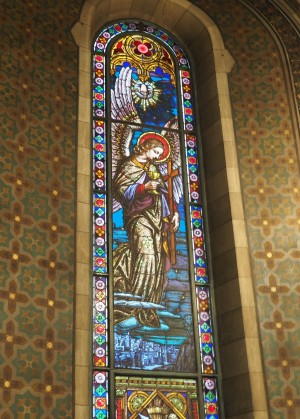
x,y
138,397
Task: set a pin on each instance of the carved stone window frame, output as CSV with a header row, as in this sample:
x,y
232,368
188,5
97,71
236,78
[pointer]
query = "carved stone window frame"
x,y
241,358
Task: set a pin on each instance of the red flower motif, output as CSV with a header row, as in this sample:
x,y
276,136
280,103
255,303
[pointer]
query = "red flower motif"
x,y
119,48
166,56
143,48
211,408
206,337
101,403
201,272
99,202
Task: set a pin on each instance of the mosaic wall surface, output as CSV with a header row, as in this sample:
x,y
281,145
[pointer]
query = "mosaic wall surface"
x,y
271,188
38,83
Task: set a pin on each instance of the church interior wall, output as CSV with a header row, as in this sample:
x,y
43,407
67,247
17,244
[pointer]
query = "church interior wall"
x,y
246,86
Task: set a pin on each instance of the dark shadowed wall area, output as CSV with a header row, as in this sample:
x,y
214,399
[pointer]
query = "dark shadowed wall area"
x,y
265,91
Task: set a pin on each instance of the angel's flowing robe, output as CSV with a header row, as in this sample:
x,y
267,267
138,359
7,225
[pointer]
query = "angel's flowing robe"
x,y
140,265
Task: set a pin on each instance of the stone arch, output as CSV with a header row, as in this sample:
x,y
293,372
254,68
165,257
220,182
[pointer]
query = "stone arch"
x,y
243,381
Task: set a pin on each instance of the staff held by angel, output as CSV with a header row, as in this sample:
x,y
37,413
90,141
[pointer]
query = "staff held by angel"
x,y
147,185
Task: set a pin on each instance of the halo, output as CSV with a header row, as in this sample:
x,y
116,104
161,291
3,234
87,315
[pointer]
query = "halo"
x,y
164,142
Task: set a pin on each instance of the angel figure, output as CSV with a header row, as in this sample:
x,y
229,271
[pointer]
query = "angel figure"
x,y
148,186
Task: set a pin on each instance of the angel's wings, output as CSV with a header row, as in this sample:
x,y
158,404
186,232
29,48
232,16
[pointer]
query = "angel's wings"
x,y
174,140
122,110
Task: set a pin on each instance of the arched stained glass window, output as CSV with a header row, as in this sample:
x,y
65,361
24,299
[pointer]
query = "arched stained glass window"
x,y
153,344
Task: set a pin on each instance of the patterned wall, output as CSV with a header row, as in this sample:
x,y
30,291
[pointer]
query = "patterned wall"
x,y
38,80
38,83
269,170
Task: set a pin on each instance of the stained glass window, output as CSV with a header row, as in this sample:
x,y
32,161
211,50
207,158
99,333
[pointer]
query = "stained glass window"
x,y
153,342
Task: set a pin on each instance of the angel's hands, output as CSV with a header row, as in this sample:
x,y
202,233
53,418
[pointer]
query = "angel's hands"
x,y
152,185
175,221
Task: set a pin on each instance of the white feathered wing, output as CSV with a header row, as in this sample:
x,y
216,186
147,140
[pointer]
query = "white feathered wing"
x,y
122,110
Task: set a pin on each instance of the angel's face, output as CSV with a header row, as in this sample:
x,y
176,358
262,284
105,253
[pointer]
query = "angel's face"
x,y
154,153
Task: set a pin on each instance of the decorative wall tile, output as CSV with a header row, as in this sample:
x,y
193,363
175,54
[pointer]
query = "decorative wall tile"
x,y
37,187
